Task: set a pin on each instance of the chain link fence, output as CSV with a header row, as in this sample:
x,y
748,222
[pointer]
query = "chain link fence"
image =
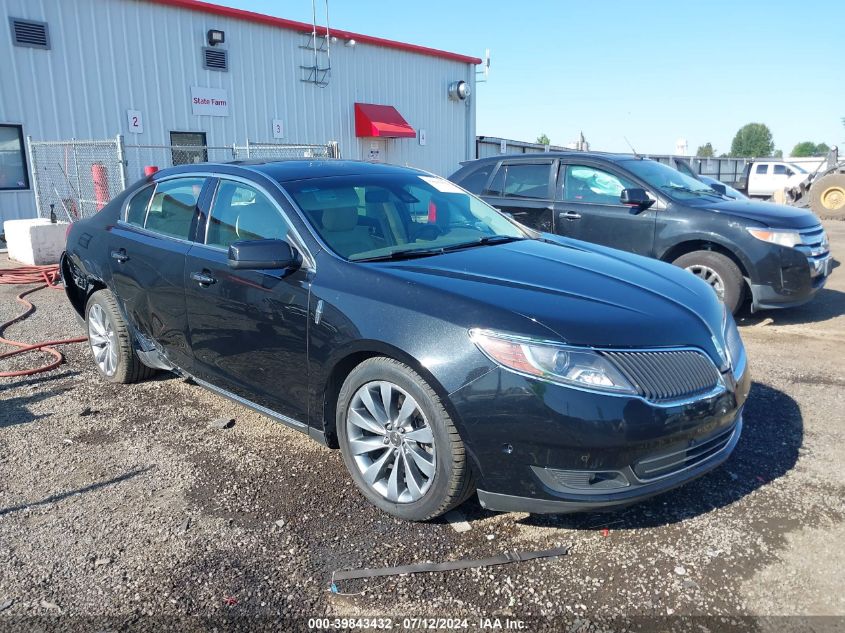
x,y
74,179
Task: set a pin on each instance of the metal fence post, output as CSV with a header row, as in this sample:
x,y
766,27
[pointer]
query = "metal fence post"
x,y
248,153
33,170
78,191
121,159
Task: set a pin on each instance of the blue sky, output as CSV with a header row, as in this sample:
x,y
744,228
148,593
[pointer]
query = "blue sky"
x,y
651,70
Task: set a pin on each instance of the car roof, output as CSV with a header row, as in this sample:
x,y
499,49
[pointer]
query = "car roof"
x,y
293,169
606,156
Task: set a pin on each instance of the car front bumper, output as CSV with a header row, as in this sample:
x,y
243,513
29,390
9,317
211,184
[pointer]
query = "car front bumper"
x,y
789,277
545,448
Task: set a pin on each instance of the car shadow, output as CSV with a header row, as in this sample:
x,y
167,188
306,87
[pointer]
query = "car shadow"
x,y
78,491
773,432
827,304
39,380
16,410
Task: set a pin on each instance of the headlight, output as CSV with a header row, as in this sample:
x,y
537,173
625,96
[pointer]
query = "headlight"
x,y
777,236
552,362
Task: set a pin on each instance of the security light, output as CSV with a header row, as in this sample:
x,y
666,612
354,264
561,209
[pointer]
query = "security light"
x,y
216,37
458,90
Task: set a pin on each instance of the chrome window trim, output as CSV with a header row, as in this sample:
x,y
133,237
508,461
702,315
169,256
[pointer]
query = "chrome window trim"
x,y
309,263
124,215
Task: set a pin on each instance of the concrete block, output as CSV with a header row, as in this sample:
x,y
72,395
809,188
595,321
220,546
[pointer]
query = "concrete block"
x,y
35,242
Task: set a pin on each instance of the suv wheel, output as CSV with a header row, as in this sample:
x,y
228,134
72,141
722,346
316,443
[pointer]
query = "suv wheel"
x,y
720,272
110,342
399,443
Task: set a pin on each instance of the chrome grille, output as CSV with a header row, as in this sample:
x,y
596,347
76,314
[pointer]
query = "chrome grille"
x,y
667,375
680,457
815,246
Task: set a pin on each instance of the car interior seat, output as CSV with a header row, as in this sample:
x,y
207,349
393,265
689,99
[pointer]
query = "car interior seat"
x,y
336,212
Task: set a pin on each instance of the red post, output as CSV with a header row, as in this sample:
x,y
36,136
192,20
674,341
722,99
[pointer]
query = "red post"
x,y
100,176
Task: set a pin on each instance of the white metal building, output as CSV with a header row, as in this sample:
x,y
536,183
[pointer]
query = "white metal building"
x,y
156,72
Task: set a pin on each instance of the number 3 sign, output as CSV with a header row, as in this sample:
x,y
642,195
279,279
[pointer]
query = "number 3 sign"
x,y
136,124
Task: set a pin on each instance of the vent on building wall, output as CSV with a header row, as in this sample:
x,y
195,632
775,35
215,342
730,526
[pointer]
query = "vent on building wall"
x,y
215,59
30,33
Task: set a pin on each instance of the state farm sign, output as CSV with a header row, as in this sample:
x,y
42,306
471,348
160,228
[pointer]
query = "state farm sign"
x,y
209,101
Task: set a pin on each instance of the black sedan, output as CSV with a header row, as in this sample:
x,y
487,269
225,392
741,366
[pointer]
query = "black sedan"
x,y
441,346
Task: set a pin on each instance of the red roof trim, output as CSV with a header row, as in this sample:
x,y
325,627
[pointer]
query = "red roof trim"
x,y
304,27
381,120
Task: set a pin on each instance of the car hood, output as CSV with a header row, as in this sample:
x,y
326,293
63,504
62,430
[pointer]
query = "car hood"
x,y
575,292
776,216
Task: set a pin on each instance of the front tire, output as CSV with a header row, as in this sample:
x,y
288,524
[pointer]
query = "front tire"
x,y
720,272
110,341
399,442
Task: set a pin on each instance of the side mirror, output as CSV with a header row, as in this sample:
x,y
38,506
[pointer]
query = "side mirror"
x,y
262,254
719,188
636,197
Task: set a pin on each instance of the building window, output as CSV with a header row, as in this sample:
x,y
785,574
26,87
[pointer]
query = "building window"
x,y
181,148
29,33
13,173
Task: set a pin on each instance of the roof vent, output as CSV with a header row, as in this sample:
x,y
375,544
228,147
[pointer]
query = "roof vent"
x,y
215,59
30,33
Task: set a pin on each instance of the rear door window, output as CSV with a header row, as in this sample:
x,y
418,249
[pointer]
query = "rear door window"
x,y
522,180
173,209
241,212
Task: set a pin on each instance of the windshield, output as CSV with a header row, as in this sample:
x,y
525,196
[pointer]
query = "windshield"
x,y
397,215
668,180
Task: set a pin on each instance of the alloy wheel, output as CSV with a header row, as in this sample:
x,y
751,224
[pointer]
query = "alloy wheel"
x,y
711,277
103,339
391,442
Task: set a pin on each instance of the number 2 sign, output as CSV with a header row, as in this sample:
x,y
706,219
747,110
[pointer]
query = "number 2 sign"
x,y
136,123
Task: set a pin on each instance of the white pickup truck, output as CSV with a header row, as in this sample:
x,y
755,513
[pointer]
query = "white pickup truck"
x,y
765,177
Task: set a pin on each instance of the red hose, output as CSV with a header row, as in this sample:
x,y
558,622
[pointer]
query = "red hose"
x,y
46,276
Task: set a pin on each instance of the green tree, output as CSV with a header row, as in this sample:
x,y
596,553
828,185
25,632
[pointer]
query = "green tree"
x,y
753,139
543,139
808,148
778,153
706,150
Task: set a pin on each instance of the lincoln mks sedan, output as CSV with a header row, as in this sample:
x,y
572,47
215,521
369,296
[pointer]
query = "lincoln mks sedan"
x,y
444,348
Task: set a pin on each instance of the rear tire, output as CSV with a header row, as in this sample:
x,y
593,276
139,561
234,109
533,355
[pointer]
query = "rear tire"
x,y
110,341
378,449
827,196
723,275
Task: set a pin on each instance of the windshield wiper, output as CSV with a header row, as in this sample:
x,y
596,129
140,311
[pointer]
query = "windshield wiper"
x,y
484,241
428,252
402,254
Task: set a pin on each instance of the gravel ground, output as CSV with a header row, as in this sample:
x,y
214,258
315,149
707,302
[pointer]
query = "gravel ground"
x,y
121,507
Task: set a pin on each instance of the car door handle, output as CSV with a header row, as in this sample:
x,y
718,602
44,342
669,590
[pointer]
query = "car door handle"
x,y
569,215
120,255
203,278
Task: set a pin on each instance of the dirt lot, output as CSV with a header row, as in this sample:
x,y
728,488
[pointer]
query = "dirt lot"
x,y
120,506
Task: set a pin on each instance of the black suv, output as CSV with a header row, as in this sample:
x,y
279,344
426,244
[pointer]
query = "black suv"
x,y
778,255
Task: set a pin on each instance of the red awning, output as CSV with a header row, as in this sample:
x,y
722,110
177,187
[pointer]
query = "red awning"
x,y
381,120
